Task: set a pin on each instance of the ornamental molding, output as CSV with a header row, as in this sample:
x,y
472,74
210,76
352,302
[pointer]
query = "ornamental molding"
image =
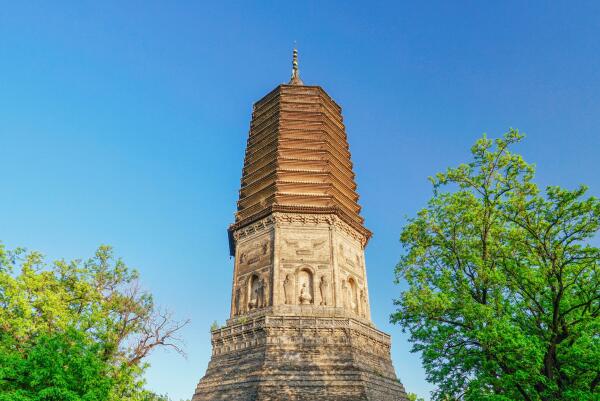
x,y
294,330
299,220
254,228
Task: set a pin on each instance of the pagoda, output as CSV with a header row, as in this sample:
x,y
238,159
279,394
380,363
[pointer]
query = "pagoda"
x,y
300,325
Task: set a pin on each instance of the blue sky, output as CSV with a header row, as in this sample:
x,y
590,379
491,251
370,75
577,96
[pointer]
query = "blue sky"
x,y
124,123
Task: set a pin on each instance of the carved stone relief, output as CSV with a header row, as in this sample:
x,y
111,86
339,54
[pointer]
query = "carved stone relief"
x,y
310,266
324,290
288,289
305,287
363,303
318,219
237,301
266,292
352,295
254,292
254,254
305,246
344,293
350,258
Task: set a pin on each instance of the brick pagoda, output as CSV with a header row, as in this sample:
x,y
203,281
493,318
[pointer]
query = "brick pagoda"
x,y
300,325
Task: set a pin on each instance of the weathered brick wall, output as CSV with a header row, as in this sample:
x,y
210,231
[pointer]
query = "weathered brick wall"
x,y
289,359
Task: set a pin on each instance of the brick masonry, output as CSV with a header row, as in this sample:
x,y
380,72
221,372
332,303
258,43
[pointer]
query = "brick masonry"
x,y
273,358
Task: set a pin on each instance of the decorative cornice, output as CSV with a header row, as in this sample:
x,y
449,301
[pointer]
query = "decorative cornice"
x,y
330,216
302,209
255,227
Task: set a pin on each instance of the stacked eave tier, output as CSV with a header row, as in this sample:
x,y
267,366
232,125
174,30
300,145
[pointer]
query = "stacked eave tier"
x,y
297,157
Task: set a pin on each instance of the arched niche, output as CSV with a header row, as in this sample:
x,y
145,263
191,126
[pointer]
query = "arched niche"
x,y
253,292
305,285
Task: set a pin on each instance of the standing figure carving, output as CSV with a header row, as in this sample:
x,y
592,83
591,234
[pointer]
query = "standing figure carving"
x,y
305,297
236,301
260,294
353,295
288,289
324,289
363,303
266,292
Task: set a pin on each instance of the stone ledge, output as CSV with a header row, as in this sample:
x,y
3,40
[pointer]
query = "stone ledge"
x,y
294,330
285,358
299,311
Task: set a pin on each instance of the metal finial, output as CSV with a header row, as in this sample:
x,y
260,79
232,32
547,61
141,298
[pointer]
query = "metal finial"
x,y
295,71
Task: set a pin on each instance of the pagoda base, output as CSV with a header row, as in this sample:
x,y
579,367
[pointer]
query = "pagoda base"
x,y
284,358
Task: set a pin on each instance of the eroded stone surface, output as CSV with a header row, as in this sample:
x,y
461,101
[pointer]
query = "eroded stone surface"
x,y
300,358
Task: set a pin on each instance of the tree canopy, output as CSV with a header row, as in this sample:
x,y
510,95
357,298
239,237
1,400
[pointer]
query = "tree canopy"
x,y
503,295
76,330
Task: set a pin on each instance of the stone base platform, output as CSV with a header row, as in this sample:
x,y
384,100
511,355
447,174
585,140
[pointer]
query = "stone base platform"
x,y
285,358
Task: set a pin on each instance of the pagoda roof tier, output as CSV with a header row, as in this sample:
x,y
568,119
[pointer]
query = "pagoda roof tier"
x,y
297,158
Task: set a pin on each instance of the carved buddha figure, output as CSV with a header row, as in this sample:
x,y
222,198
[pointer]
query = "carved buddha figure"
x,y
305,297
305,283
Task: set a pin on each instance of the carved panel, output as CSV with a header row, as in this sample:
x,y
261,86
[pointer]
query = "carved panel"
x,y
305,246
254,254
252,291
256,227
350,257
304,219
295,330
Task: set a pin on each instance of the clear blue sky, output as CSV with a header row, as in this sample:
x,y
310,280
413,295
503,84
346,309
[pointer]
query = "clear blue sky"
x,y
125,123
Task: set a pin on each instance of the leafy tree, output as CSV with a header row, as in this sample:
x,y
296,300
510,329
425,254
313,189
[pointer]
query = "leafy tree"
x,y
78,330
414,397
58,366
503,295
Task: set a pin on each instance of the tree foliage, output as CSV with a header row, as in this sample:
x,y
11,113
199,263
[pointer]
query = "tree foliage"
x,y
503,295
413,397
77,330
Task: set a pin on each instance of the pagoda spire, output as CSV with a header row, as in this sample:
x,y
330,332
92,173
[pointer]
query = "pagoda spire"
x,y
295,71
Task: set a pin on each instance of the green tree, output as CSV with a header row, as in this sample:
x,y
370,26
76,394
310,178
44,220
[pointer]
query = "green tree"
x,y
57,366
503,295
78,330
414,397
